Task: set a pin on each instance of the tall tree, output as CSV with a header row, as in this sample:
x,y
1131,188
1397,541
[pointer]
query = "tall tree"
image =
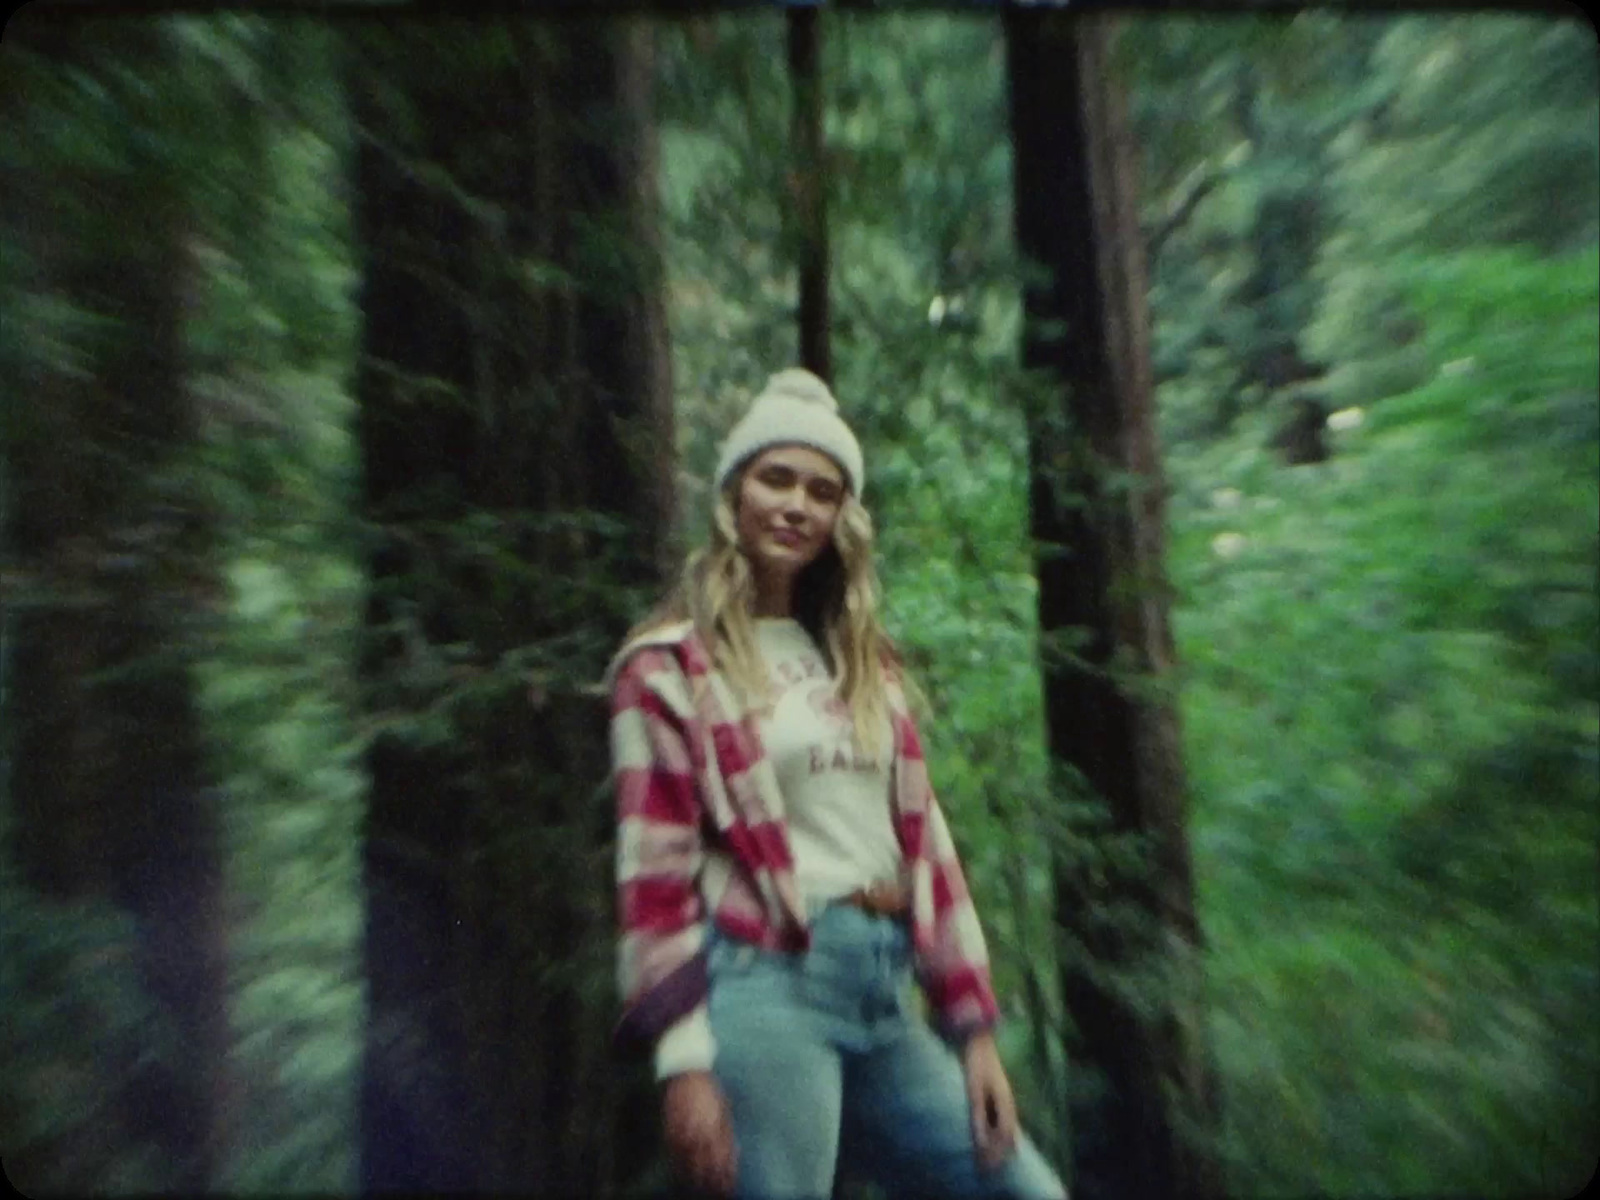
x,y
1097,515
809,187
515,421
109,794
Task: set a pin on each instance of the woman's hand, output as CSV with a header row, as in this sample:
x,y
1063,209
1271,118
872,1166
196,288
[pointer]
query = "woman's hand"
x,y
994,1110
699,1132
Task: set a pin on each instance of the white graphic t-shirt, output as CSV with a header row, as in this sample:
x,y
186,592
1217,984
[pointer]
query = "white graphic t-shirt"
x,y
836,799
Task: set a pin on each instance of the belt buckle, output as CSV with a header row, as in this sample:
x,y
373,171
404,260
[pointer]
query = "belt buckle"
x,y
882,899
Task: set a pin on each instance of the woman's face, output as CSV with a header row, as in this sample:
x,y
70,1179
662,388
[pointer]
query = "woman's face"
x,y
789,500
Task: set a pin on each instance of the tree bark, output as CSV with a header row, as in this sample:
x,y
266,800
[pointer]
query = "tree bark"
x,y
1097,508
809,177
512,261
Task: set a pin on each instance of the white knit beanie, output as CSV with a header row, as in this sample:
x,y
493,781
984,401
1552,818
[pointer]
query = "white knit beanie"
x,y
796,407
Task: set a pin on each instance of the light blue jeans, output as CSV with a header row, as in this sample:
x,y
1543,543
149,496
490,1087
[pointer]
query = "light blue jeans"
x,y
824,1059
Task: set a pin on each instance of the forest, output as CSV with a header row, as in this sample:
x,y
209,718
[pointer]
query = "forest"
x,y
1230,391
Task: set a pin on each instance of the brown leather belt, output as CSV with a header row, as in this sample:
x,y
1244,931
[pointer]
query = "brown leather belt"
x,y
881,900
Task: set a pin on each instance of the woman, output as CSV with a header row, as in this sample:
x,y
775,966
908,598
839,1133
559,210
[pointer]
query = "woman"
x,y
784,870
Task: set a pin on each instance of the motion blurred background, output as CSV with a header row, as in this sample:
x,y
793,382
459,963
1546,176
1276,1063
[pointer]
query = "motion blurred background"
x,y
362,379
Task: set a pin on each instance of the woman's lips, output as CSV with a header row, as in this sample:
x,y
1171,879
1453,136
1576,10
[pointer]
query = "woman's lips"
x,y
787,537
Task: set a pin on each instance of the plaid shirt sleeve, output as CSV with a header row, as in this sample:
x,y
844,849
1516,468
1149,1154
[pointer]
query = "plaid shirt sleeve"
x,y
956,978
953,968
661,972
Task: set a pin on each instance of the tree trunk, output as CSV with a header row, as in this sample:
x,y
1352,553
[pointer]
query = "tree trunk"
x,y
515,377
1285,235
108,791
810,190
1110,727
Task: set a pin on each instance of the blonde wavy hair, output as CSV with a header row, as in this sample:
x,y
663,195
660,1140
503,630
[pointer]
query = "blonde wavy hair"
x,y
835,600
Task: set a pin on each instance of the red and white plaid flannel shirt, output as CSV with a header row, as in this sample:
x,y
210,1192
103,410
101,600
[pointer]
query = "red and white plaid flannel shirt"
x,y
701,838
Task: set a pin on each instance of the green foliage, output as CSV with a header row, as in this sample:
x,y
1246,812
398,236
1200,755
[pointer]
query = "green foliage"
x,y
276,335
1489,136
80,1035
1391,719
1235,204
722,109
1496,119
272,341
245,138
